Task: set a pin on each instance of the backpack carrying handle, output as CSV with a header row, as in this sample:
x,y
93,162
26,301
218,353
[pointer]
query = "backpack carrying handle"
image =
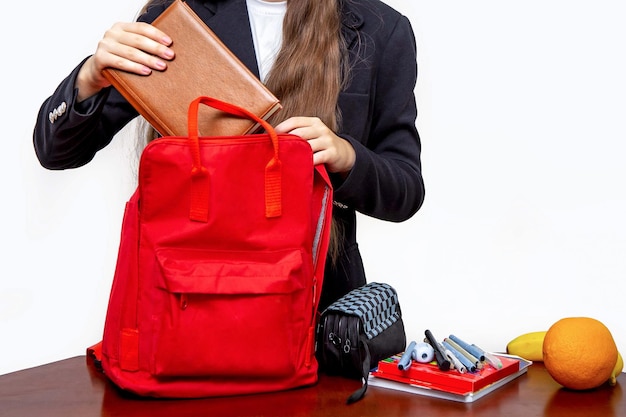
x,y
199,210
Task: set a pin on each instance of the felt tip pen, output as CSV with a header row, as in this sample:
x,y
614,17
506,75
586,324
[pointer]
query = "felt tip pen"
x,y
405,359
493,360
465,353
471,349
458,365
440,356
466,362
438,348
490,358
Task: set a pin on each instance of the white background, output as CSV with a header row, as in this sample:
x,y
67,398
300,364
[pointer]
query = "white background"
x,y
522,110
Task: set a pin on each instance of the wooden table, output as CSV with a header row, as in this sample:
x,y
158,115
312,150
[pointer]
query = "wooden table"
x,y
72,387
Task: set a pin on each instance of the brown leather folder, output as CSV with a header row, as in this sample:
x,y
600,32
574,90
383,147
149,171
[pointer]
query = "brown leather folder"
x,y
202,66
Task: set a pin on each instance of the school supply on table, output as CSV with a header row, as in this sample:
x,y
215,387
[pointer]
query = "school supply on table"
x,y
358,330
423,353
443,361
220,266
468,376
202,66
427,379
407,357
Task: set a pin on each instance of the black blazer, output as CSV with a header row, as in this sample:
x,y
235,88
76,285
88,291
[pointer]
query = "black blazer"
x,y
378,118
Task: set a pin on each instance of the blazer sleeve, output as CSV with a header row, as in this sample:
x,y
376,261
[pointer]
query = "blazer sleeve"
x,y
68,134
386,181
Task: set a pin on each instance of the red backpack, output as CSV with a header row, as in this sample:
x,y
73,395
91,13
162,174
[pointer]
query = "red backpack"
x,y
220,266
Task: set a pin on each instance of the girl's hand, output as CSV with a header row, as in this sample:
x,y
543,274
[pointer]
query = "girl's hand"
x,y
328,148
135,47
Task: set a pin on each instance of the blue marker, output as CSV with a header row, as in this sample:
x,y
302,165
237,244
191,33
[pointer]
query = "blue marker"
x,y
471,349
405,359
466,362
473,359
457,363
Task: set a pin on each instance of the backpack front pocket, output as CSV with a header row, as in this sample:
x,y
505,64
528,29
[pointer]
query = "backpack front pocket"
x,y
222,307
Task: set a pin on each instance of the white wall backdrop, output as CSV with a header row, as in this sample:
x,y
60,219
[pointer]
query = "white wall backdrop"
x,y
522,110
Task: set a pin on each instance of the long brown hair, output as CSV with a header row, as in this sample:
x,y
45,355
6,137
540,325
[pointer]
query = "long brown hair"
x,y
309,69
307,74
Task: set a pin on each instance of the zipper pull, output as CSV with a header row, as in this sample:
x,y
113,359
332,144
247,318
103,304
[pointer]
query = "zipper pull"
x,y
183,301
347,346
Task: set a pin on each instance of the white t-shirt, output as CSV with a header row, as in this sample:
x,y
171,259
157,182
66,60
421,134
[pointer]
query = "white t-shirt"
x,y
266,22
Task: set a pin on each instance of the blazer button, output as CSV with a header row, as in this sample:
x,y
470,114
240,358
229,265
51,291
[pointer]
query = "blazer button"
x,y
59,111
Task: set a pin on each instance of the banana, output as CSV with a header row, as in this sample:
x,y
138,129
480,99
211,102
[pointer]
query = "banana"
x,y
528,346
619,365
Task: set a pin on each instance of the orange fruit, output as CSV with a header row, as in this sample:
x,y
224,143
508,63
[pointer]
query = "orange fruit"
x,y
579,352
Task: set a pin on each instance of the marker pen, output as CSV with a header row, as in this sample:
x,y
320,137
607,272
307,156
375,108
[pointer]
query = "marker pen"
x,y
493,360
466,362
490,358
463,352
405,359
471,349
440,355
458,365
